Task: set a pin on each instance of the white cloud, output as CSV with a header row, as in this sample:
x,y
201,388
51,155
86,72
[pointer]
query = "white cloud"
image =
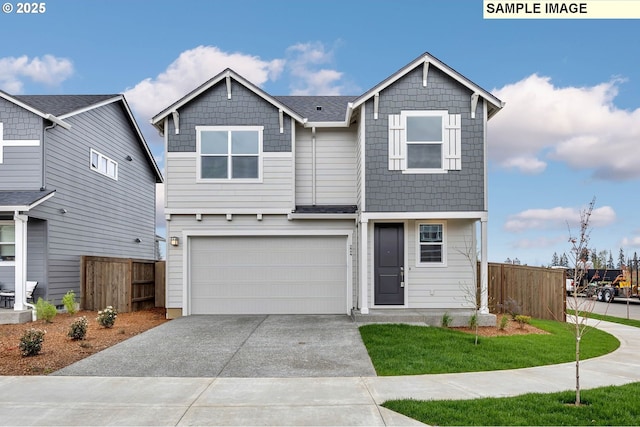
x,y
191,69
633,241
539,242
579,126
305,63
48,70
557,218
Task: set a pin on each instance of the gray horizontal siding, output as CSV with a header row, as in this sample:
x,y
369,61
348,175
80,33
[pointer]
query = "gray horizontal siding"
x,y
183,192
335,168
104,216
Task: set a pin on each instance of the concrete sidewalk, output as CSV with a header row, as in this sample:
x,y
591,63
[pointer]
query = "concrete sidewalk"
x,y
287,401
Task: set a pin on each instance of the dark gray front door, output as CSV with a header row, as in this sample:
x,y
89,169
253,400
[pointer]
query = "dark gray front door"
x,y
388,241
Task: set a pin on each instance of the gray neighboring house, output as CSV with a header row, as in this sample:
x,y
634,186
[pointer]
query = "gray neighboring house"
x,y
327,204
76,178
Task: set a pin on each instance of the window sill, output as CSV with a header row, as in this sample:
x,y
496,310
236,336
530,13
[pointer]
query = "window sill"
x,y
424,171
229,181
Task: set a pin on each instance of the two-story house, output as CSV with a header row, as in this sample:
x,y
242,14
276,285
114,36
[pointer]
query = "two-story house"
x,y
76,178
327,204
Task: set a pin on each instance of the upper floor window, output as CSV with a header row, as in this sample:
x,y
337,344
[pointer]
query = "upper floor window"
x,y
7,241
424,141
104,165
229,153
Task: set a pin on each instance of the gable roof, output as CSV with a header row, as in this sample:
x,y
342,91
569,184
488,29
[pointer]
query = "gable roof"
x,y
334,110
59,105
56,108
158,119
494,103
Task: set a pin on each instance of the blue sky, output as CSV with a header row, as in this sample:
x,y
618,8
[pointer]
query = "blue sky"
x,y
569,131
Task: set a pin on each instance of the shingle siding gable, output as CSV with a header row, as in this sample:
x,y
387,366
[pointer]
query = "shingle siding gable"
x,y
245,108
21,166
392,191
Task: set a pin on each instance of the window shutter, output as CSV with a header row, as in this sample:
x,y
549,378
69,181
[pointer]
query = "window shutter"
x,y
452,143
396,151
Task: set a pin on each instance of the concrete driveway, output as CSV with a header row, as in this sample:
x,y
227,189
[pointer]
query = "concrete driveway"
x,y
236,346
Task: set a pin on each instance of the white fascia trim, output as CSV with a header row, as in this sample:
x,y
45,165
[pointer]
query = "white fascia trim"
x,y
276,154
344,124
214,81
26,208
442,67
272,232
372,216
230,211
92,107
292,215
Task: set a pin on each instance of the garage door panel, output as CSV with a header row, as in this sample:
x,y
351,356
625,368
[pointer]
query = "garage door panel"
x,y
268,275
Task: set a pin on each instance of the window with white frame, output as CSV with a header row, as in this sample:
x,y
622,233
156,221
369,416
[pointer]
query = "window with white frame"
x,y
424,137
424,141
104,165
228,153
7,241
431,244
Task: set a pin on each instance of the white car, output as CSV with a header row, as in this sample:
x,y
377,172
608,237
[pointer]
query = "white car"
x,y
569,285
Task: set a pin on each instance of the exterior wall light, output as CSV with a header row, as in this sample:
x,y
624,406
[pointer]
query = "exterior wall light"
x,y
175,241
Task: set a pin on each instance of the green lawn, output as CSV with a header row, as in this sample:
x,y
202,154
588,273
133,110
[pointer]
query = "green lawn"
x,y
400,349
623,321
603,406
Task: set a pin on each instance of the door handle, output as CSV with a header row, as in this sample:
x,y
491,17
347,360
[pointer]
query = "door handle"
x,y
402,276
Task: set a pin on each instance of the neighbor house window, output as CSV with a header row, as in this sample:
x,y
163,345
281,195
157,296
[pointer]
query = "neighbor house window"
x,y
104,165
7,242
431,244
229,153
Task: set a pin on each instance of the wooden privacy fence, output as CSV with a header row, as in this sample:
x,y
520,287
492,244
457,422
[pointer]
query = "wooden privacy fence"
x,y
540,292
124,283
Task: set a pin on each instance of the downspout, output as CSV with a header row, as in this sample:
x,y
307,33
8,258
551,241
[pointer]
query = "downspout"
x,y
44,157
313,165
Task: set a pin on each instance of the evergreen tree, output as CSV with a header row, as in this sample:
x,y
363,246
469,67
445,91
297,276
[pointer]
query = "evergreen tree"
x,y
610,264
564,260
620,259
594,258
554,259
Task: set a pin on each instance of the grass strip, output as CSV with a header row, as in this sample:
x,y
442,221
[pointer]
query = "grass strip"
x,y
400,349
621,320
602,406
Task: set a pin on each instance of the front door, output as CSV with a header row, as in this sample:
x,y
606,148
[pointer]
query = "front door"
x,y
388,242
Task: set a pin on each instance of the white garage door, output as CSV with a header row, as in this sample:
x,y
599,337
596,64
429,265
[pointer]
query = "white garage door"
x,y
268,275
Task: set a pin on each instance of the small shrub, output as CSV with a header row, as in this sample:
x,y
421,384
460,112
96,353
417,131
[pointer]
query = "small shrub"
x,y
78,328
473,321
504,320
522,320
31,342
107,317
446,320
69,301
45,310
512,307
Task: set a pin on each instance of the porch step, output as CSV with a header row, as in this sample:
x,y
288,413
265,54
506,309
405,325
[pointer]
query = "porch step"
x,y
10,316
422,317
